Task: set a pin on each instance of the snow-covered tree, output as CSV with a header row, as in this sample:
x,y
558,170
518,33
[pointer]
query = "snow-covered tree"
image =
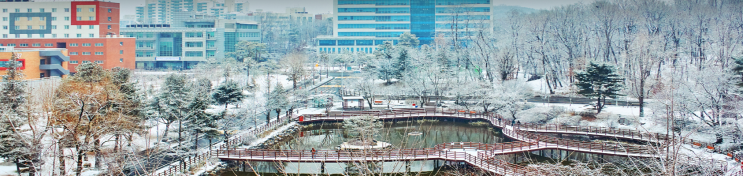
x,y
408,40
202,121
385,62
363,128
13,115
295,64
279,100
173,101
228,92
599,81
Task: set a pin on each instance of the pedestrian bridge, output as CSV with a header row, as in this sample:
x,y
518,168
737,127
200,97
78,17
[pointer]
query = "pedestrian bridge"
x,y
476,154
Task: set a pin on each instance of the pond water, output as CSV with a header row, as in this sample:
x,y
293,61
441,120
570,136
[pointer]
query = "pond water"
x,y
401,134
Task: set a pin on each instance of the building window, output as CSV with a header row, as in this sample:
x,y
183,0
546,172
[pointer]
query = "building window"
x,y
24,44
5,10
98,44
86,53
79,10
109,10
121,43
29,10
29,27
17,18
66,9
30,18
54,9
67,18
74,61
92,10
41,9
5,18
121,60
42,18
54,35
11,44
66,26
84,62
5,27
36,44
54,26
73,44
98,53
41,35
17,27
79,18
109,26
194,44
17,10
79,27
99,62
194,53
73,53
86,44
66,35
42,27
91,35
121,51
48,45
54,18
91,27
91,18
79,35
109,18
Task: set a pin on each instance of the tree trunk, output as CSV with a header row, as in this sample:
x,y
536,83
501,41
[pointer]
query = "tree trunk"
x,y
79,168
598,105
165,134
60,149
17,166
98,156
116,143
641,99
180,126
196,140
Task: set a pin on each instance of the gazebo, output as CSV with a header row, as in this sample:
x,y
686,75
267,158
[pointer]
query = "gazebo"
x,y
353,102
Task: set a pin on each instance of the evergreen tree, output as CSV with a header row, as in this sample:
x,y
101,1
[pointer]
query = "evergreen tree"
x,y
278,100
201,121
173,100
408,40
599,81
402,63
738,71
384,63
228,92
13,113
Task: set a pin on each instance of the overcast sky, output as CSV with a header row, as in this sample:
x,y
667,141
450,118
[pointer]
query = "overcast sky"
x,y
325,6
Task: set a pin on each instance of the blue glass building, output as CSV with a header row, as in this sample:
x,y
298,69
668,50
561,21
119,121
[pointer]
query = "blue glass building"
x,y
360,25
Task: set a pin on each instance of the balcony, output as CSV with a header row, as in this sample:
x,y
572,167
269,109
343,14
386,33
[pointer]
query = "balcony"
x,y
56,70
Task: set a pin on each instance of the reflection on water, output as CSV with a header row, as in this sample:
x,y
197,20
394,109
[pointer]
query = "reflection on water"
x,y
327,136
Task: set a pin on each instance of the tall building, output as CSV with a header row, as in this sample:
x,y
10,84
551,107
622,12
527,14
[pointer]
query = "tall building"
x,y
360,25
169,46
164,11
89,30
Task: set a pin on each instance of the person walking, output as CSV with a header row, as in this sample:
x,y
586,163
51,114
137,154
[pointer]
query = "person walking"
x,y
313,153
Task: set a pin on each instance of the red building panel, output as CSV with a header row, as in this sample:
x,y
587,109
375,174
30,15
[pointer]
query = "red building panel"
x,y
73,16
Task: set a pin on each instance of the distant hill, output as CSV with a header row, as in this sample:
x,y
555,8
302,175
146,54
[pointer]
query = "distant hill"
x,y
501,11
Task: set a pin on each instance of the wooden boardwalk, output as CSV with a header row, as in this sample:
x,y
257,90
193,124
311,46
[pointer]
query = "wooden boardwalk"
x,y
475,154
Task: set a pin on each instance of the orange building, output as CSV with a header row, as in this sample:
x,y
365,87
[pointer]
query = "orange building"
x,y
88,29
37,63
107,52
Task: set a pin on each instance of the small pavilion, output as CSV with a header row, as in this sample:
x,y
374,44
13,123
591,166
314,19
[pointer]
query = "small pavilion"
x,y
353,102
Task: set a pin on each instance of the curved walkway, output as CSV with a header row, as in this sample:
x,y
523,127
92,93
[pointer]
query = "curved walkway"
x,y
476,154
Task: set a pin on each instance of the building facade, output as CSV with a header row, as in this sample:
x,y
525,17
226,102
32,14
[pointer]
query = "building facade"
x,y
360,25
162,46
89,30
164,11
37,63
